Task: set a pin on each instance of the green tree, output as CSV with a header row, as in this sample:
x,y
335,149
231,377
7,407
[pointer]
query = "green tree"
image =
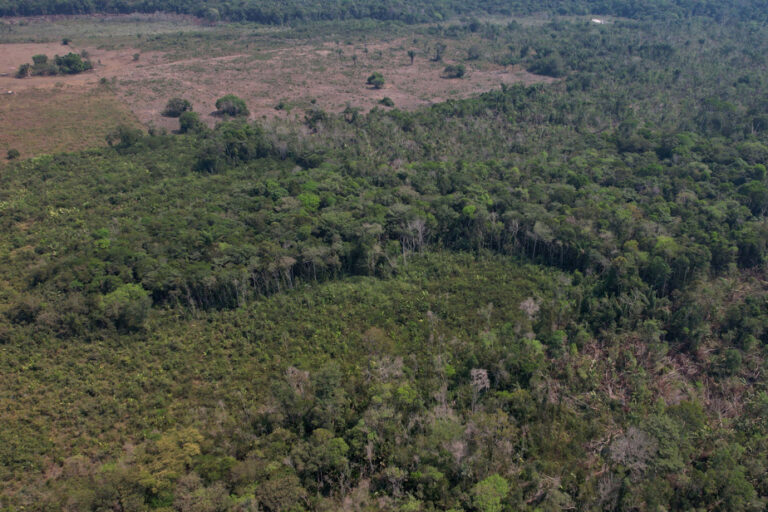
x,y
231,105
376,80
71,64
551,65
23,71
488,494
127,306
124,136
176,106
212,16
454,71
190,122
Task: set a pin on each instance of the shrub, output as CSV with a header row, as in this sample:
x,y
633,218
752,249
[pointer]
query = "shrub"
x,y
72,63
473,53
13,154
176,106
23,71
551,65
124,137
189,122
454,71
386,101
376,80
231,105
127,306
487,495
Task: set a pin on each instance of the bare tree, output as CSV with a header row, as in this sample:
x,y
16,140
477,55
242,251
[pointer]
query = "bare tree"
x,y
480,382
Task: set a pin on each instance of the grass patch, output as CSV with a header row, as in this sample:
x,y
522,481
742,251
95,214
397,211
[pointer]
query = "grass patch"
x,y
40,121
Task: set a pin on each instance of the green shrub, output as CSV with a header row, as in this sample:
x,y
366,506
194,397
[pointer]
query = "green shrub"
x,y
454,71
176,106
231,105
23,71
376,80
190,122
127,306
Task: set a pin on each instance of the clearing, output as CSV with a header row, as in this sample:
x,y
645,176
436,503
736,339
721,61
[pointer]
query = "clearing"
x,y
142,61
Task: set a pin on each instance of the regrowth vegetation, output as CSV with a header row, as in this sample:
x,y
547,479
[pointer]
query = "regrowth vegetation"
x,y
546,297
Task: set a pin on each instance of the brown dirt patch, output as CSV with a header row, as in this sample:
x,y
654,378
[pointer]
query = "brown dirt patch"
x,y
297,76
48,114
325,75
106,63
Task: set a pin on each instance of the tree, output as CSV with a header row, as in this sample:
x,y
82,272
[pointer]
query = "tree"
x,y
212,16
124,136
127,306
231,105
454,71
176,106
439,51
190,122
411,55
551,65
376,80
23,71
72,63
488,494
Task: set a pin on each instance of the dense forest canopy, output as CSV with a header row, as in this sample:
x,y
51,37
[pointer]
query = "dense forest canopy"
x,y
411,11
546,297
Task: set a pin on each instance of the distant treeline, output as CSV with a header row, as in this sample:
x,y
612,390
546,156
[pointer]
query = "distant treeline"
x,y
297,11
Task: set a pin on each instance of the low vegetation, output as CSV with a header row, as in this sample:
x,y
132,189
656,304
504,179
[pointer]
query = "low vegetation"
x,y
454,71
176,106
231,105
69,64
376,80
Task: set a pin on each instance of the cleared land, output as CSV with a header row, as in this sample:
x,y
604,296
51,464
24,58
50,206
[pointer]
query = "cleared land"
x,y
146,60
328,76
39,121
60,113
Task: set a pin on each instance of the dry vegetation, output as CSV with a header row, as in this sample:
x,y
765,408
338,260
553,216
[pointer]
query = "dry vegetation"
x,y
67,118
327,75
278,75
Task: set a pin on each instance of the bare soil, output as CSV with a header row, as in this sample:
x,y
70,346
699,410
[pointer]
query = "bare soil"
x,y
302,77
325,75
